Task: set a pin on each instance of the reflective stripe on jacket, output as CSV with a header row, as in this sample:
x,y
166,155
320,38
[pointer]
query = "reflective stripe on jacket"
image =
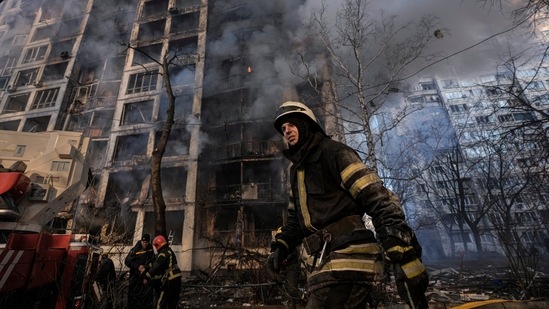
x,y
357,262
329,182
165,263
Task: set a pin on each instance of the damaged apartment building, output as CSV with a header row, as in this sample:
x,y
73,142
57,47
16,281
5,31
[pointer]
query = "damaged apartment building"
x,y
95,67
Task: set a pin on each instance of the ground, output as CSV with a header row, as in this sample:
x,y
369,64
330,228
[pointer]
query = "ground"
x,y
453,283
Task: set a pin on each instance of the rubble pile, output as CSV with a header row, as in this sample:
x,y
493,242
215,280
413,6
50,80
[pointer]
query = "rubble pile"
x,y
228,293
449,286
479,282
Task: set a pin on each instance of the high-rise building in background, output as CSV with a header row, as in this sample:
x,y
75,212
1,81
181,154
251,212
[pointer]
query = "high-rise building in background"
x,y
93,66
475,152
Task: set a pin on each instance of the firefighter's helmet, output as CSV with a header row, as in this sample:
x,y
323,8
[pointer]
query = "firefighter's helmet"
x,y
295,109
159,241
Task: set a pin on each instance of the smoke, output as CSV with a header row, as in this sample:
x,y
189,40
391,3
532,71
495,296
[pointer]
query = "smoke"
x,y
471,39
475,37
264,48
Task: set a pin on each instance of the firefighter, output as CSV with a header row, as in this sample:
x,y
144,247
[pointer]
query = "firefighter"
x,y
331,190
140,296
106,277
165,268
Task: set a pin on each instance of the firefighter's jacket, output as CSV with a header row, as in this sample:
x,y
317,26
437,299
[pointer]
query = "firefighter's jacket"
x,y
139,256
165,266
331,189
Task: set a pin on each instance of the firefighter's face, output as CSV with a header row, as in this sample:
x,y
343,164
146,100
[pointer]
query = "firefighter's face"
x,y
144,243
290,132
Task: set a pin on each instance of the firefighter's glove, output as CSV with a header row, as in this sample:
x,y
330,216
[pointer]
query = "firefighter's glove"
x,y
410,274
399,252
412,280
276,261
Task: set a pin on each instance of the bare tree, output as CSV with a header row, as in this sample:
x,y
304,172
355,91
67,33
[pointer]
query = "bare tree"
x,y
520,95
514,169
367,57
451,187
156,160
442,216
173,59
533,11
510,189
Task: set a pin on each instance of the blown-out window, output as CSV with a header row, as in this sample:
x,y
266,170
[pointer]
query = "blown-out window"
x,y
27,77
19,39
35,54
147,54
16,103
44,33
128,146
6,65
139,112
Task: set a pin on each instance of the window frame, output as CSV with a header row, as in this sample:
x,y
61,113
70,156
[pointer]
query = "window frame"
x,y
49,100
33,54
142,82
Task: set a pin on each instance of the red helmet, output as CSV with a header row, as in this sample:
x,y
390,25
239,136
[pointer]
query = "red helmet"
x,y
159,241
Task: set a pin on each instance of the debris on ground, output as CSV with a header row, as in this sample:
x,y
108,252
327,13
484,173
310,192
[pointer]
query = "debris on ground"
x,y
449,287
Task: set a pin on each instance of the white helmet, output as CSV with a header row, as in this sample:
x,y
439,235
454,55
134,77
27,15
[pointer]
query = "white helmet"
x,y
293,108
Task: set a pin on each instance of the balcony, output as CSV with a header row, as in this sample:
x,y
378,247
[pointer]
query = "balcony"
x,y
230,83
255,149
102,102
251,238
247,192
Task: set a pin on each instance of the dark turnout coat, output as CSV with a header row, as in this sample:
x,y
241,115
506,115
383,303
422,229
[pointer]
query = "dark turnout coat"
x,y
139,294
331,189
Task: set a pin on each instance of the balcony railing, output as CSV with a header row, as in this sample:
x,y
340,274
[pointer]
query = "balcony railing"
x,y
247,192
247,149
233,82
97,102
252,239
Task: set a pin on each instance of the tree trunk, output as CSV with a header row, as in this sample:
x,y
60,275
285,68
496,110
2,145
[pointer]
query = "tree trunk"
x,y
159,204
478,241
463,240
372,158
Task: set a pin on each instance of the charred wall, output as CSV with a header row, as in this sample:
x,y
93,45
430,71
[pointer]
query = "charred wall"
x,y
242,181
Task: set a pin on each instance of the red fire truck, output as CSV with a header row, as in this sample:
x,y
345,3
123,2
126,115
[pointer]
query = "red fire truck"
x,y
41,175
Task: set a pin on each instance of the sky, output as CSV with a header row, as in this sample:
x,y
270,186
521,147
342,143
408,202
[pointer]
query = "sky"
x,y
463,23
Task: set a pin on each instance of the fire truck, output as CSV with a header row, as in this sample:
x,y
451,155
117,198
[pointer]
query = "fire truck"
x,y
42,174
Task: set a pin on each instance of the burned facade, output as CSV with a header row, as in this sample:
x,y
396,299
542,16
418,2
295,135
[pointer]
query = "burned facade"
x,y
93,67
242,174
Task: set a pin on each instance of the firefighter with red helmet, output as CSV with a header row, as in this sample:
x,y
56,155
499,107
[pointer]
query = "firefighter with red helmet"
x,y
331,190
165,268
